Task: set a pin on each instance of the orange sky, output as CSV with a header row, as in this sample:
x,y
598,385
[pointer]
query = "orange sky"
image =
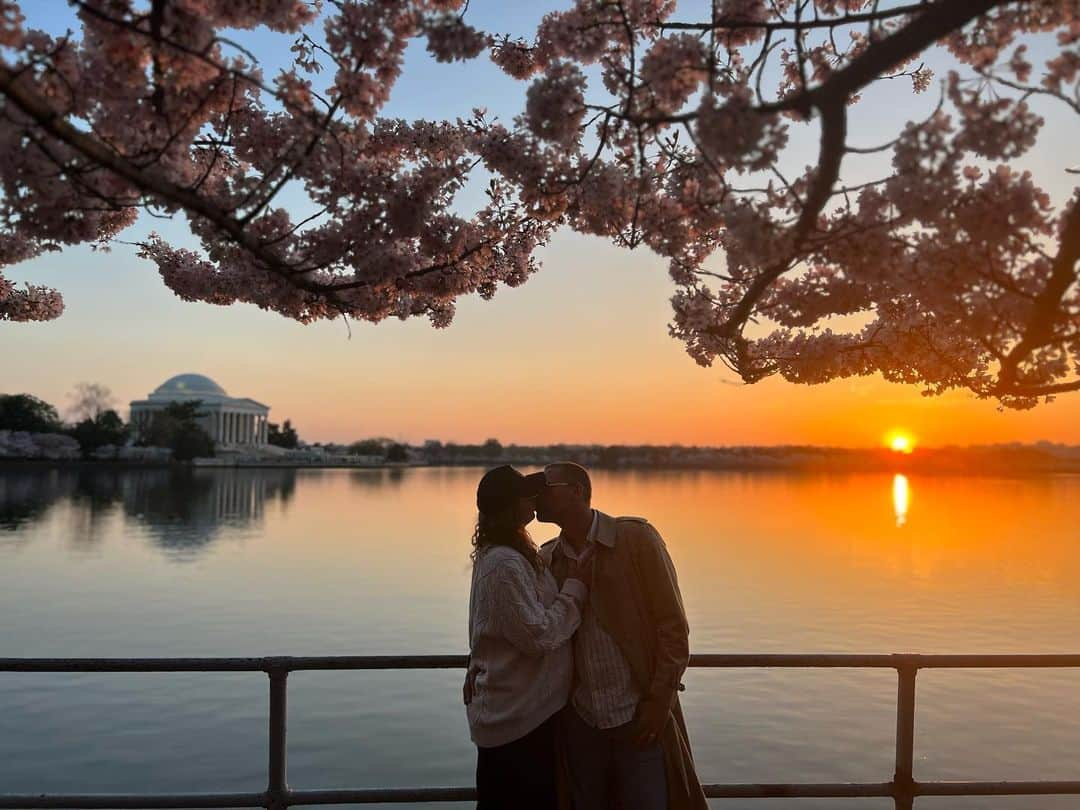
x,y
579,354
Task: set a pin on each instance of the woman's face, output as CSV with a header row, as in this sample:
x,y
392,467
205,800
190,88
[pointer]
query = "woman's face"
x,y
526,511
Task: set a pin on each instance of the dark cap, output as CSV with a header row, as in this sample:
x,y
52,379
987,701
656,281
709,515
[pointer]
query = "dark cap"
x,y
561,474
500,487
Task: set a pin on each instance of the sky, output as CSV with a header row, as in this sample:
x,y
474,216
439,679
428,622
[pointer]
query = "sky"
x,y
579,354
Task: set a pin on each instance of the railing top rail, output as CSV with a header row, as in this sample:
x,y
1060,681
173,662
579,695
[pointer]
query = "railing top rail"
x,y
377,662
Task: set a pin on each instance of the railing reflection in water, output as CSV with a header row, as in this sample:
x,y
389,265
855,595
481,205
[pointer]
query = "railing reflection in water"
x,y
902,788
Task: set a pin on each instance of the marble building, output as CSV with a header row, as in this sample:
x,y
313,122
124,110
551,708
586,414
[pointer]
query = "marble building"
x,y
230,421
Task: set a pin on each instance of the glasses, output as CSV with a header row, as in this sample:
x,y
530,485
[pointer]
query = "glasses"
x,y
554,483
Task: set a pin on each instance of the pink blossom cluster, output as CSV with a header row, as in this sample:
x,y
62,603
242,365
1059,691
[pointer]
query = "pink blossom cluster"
x,y
994,128
672,70
450,39
11,20
735,135
555,103
514,57
635,125
35,303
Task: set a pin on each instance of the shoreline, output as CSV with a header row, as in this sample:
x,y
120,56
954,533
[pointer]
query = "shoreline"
x,y
972,467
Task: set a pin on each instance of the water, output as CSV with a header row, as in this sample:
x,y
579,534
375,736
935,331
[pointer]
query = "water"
x,y
261,562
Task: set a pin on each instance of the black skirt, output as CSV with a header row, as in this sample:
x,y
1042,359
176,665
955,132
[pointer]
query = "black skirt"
x,y
519,775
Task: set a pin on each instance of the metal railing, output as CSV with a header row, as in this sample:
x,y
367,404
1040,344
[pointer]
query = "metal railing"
x,y
903,788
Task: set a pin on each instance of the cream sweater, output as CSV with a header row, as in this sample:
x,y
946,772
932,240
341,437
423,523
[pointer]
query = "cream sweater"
x,y
519,628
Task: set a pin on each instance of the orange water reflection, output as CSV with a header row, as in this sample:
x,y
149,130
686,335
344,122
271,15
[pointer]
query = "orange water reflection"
x,y
766,561
901,498
376,562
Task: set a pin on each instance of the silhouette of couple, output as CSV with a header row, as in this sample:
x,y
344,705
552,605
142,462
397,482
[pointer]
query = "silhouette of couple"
x,y
577,650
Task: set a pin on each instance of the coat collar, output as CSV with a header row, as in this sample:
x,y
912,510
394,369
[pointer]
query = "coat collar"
x,y
606,528
603,530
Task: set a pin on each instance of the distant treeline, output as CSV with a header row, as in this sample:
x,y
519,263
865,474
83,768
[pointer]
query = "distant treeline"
x,y
1043,457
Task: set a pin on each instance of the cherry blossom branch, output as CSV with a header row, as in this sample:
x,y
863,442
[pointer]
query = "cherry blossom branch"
x,y
140,177
737,23
959,273
200,56
1044,313
830,99
935,22
830,155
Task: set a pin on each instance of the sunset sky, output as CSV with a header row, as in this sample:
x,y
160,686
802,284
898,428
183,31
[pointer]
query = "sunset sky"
x,y
579,354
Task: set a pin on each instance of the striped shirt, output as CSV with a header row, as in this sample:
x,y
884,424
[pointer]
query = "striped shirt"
x,y
604,692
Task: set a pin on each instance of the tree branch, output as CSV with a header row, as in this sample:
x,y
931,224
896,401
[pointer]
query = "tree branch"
x,y
1044,311
733,23
145,179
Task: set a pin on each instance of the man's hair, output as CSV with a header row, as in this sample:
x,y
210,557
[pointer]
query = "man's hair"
x,y
570,473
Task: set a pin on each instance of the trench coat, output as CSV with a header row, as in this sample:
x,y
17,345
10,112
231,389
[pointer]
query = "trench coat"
x,y
635,594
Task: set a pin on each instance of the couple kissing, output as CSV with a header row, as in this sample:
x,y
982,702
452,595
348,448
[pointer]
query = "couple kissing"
x,y
577,652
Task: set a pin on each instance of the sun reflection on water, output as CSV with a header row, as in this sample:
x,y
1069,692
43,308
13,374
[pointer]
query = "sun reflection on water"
x,y
901,498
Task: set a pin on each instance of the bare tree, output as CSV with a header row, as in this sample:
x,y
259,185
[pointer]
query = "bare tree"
x,y
88,401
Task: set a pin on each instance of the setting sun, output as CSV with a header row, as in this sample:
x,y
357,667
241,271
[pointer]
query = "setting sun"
x,y
900,442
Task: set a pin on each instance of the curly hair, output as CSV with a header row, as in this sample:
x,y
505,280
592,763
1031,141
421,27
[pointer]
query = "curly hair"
x,y
502,529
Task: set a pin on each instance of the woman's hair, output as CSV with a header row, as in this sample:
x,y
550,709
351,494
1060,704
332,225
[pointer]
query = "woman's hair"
x,y
502,529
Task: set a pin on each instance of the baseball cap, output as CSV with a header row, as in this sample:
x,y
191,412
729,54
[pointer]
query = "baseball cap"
x,y
501,486
560,474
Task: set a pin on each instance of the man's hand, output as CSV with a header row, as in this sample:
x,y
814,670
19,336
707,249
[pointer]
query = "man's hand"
x,y
468,689
650,720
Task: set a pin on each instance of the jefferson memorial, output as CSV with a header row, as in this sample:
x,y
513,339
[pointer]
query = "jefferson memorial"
x,y
230,421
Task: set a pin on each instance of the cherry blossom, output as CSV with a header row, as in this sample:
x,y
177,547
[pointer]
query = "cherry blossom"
x,y
954,269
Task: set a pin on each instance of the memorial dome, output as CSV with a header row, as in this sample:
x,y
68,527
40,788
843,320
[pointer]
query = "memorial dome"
x,y
189,384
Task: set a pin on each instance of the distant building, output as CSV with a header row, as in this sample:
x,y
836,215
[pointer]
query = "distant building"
x,y
230,421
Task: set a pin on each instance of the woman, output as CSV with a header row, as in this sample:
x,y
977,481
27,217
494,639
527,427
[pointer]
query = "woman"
x,y
520,624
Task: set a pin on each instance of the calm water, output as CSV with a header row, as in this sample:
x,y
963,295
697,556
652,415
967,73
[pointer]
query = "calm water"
x,y
249,562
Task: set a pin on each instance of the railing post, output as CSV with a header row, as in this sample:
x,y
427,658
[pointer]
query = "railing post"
x,y
277,788
904,779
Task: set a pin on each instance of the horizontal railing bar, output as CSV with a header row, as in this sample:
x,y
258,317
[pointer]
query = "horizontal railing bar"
x,y
132,665
376,662
822,790
266,664
996,788
381,796
885,661
840,790
279,666
1006,661
396,795
122,801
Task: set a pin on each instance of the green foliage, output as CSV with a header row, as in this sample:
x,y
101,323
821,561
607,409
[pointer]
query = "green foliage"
x,y
284,436
367,447
105,428
397,453
176,426
26,412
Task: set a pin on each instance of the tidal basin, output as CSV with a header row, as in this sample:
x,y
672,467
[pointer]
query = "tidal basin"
x,y
97,562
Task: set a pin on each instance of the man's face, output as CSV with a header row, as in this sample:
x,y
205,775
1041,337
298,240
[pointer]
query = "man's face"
x,y
557,500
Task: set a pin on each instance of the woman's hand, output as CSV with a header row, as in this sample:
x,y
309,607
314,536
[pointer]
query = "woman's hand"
x,y
468,689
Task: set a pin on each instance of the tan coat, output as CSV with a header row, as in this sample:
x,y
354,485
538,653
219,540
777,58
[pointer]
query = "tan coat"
x,y
635,593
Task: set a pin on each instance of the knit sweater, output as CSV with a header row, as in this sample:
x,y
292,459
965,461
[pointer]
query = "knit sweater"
x,y
519,628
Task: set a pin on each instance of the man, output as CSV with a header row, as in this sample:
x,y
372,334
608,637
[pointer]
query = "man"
x,y
624,733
